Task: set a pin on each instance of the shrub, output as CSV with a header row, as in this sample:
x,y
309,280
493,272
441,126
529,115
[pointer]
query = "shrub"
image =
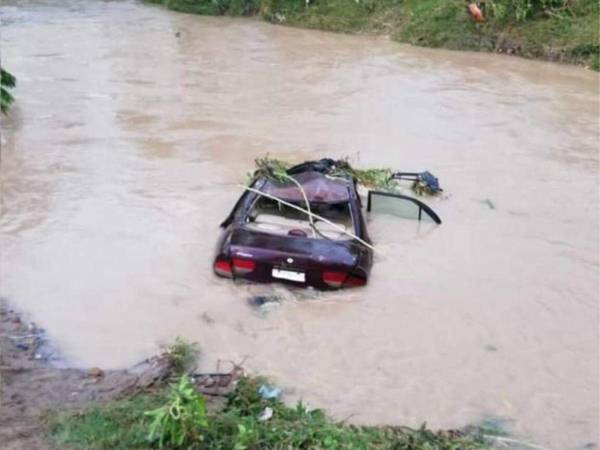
x,y
179,423
182,356
7,81
521,10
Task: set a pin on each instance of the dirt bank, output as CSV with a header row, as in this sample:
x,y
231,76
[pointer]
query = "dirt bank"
x,y
31,386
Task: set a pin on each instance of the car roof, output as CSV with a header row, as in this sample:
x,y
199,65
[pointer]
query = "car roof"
x,y
318,187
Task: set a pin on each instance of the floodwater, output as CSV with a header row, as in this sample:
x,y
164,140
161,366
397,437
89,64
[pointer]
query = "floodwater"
x,y
124,151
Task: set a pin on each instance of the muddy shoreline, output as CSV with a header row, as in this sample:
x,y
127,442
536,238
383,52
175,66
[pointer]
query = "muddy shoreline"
x,y
32,385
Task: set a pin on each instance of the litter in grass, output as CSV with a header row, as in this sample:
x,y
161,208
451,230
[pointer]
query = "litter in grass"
x,y
266,414
269,393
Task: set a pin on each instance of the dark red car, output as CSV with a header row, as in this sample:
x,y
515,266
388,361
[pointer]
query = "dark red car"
x,y
267,237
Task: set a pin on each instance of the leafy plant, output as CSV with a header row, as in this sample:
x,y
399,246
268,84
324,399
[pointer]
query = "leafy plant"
x,y
7,81
372,178
275,169
179,423
271,168
182,355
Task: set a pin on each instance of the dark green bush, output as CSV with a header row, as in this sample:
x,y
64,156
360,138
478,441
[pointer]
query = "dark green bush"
x,y
215,7
7,82
521,10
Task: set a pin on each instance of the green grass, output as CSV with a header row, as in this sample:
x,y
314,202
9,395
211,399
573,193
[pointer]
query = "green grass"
x,y
126,424
558,30
119,425
349,16
434,23
569,39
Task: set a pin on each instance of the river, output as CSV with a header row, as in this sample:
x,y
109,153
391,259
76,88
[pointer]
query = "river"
x,y
133,126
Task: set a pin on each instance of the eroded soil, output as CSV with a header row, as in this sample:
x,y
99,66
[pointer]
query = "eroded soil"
x,y
31,387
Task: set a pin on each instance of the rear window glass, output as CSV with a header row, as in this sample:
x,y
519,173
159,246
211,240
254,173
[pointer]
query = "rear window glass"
x,y
270,216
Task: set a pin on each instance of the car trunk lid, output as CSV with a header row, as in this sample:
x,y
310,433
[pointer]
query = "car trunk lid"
x,y
315,262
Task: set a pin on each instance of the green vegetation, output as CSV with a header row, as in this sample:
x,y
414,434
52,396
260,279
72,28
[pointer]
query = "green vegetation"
x,y
182,356
213,7
7,82
371,178
178,419
180,422
558,30
374,178
119,425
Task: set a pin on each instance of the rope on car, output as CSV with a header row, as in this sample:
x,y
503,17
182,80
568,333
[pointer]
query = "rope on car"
x,y
309,213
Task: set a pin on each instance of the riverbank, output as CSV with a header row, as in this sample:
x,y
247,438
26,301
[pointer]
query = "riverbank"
x,y
45,407
34,388
553,30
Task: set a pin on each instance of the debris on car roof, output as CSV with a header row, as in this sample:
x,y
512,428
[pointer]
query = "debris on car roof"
x,y
422,183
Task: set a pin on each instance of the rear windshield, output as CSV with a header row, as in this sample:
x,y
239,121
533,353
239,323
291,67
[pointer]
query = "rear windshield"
x,y
270,216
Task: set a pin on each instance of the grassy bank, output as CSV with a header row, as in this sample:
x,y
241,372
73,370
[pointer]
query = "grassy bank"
x,y
557,30
178,418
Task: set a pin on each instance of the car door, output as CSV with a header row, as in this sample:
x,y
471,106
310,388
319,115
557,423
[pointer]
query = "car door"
x,y
401,205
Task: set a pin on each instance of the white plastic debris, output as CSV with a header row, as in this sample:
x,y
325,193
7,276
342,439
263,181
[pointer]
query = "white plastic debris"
x,y
266,414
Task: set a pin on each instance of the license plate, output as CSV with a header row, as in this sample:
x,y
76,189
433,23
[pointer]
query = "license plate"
x,y
289,275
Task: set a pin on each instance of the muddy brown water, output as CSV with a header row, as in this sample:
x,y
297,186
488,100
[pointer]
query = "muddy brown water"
x,y
124,149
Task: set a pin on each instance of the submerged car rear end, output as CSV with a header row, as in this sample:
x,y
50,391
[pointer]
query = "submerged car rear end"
x,y
301,261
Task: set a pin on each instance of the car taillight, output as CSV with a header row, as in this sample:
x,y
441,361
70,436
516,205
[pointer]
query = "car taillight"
x,y
339,279
353,281
223,268
242,266
334,279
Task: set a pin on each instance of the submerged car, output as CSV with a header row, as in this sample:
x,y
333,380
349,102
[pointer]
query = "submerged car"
x,y
271,234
